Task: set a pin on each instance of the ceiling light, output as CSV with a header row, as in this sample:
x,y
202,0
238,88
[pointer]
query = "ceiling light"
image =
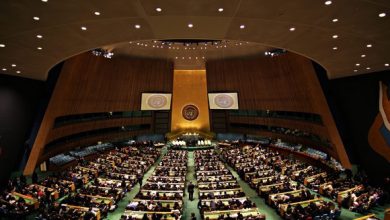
x,y
292,28
18,71
335,48
220,9
190,25
382,15
242,26
83,28
39,48
4,69
335,36
335,20
369,45
158,9
39,36
44,0
358,64
36,18
328,2
386,64
137,26
355,71
97,13
363,55
368,68
13,65
2,45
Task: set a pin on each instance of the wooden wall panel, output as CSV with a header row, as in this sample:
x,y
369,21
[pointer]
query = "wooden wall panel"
x,y
89,84
283,83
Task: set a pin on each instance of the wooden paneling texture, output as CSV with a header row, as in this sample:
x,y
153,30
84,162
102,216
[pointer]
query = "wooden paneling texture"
x,y
283,83
90,84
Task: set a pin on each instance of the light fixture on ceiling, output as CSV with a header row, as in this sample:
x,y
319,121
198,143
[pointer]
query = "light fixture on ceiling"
x,y
328,2
386,64
335,48
39,48
220,9
2,45
83,28
334,20
190,25
13,65
97,13
158,9
368,68
18,71
242,26
36,18
4,69
292,28
355,71
44,0
39,36
137,26
382,15
369,45
363,55
358,64
335,36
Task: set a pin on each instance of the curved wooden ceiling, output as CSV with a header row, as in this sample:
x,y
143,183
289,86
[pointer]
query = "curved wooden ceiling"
x,y
266,22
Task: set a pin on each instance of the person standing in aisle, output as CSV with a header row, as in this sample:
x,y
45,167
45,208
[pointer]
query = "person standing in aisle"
x,y
191,191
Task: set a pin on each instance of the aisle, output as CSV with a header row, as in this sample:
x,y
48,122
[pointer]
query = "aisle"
x,y
191,206
116,215
270,213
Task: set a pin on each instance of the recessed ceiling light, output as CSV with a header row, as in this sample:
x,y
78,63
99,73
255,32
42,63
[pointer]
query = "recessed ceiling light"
x,y
44,0
39,48
334,20
382,15
242,26
36,18
386,64
328,2
355,71
220,9
13,65
4,69
83,28
18,71
369,45
292,28
335,48
137,26
363,55
2,45
39,36
97,13
190,25
158,9
358,64
335,36
368,68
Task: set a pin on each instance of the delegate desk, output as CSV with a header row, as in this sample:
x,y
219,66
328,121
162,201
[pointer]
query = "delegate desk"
x,y
283,207
212,215
70,184
272,197
96,211
140,214
164,203
365,217
99,199
30,201
310,179
343,194
54,193
218,192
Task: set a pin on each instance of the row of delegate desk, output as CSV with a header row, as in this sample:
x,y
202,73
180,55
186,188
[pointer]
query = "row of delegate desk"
x,y
161,197
220,195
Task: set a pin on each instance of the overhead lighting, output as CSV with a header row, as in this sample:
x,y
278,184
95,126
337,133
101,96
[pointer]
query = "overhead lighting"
x,y
363,55
158,9
382,15
292,28
355,71
44,0
83,28
220,9
368,68
335,48
13,65
18,71
242,26
97,13
4,69
2,45
369,45
39,36
358,64
328,2
39,48
386,64
190,25
36,18
137,26
335,36
335,20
